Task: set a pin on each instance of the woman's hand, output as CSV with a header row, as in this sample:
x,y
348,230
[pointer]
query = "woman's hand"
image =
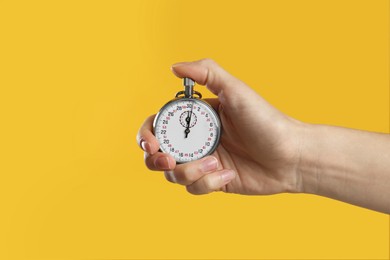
x,y
259,150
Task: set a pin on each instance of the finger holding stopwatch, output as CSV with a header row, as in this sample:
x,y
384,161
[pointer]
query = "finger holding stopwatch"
x,y
145,137
159,162
215,181
190,172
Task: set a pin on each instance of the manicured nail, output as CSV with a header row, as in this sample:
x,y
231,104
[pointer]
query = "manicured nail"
x,y
145,146
227,175
209,164
162,163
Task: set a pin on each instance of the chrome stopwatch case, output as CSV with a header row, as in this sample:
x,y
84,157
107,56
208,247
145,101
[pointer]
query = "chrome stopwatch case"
x,y
187,127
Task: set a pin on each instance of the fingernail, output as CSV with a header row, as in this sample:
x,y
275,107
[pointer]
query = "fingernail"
x,y
209,164
227,175
145,146
178,64
162,163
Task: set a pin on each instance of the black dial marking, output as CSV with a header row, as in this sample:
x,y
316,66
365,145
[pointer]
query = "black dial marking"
x,y
184,118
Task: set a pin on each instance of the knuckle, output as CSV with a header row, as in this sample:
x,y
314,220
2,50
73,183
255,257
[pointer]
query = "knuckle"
x,y
186,174
209,184
207,61
189,176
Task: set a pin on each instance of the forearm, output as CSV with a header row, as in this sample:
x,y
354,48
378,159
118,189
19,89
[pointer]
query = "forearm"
x,y
348,165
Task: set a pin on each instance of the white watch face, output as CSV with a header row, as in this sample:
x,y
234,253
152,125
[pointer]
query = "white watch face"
x,y
188,129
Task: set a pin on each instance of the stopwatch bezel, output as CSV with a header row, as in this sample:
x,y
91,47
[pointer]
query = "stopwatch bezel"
x,y
218,125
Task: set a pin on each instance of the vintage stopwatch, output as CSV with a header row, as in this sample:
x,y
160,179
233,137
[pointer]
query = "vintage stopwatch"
x,y
187,127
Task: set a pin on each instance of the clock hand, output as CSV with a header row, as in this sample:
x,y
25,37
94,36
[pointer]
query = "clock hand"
x,y
186,132
188,119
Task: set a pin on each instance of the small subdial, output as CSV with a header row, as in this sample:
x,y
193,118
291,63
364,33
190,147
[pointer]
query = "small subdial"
x,y
185,115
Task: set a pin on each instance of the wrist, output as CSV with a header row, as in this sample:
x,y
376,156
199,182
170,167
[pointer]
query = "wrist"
x,y
308,169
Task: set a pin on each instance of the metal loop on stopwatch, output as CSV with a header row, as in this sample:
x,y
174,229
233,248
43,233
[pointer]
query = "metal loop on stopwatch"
x,y
189,91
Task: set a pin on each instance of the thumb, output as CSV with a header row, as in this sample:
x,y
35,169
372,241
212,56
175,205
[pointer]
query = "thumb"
x,y
236,98
229,89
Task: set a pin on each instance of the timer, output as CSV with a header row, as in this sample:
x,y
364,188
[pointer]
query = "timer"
x,y
187,127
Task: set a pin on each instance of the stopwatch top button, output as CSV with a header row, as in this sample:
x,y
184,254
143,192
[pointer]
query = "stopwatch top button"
x,y
187,82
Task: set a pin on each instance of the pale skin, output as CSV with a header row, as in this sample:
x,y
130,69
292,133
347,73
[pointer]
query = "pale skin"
x,y
263,151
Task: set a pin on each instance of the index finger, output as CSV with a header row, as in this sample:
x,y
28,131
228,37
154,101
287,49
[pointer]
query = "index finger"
x,y
145,137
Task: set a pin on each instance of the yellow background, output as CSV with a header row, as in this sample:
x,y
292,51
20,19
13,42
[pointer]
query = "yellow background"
x,y
78,78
